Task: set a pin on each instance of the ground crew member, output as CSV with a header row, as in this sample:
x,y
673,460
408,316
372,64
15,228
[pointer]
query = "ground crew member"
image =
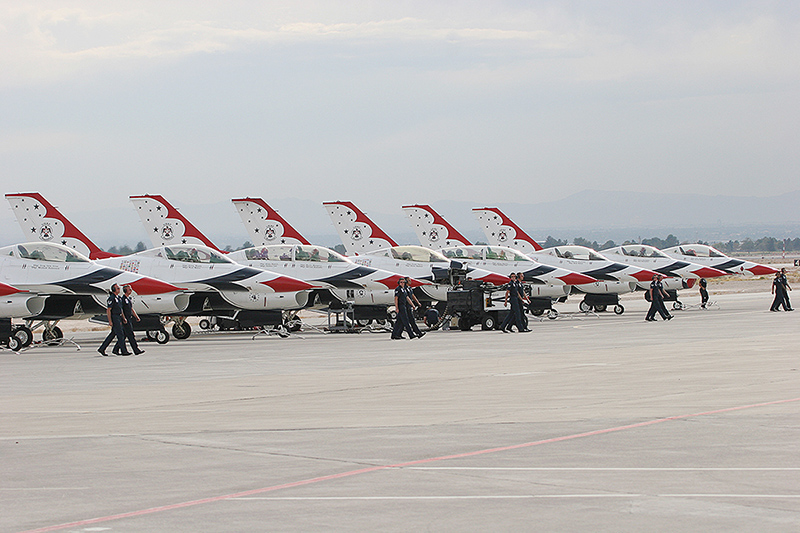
x,y
116,320
521,287
401,305
130,315
703,292
415,304
657,296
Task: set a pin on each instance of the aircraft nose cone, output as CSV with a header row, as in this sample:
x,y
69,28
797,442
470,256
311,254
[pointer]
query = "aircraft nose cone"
x,y
644,275
6,289
762,270
146,286
288,284
576,278
708,272
491,277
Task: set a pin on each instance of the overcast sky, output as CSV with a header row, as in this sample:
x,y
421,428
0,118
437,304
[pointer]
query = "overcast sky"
x,y
392,102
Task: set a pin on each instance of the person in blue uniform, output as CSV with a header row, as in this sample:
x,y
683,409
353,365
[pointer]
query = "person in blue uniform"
x,y
781,288
657,296
401,304
703,292
116,320
524,297
514,296
130,315
415,304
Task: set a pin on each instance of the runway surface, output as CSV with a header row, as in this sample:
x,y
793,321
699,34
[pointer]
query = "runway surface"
x,y
601,423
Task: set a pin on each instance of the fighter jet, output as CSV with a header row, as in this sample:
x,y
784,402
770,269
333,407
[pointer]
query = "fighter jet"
x,y
614,278
705,255
368,245
61,283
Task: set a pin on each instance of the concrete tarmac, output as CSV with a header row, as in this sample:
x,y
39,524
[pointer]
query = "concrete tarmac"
x,y
593,423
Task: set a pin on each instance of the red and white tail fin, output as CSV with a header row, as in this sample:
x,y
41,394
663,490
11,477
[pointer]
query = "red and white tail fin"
x,y
359,234
40,220
432,230
501,231
165,225
264,225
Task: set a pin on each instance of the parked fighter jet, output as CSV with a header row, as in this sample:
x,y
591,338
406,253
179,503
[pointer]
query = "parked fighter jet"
x,y
62,283
369,245
646,256
705,255
614,277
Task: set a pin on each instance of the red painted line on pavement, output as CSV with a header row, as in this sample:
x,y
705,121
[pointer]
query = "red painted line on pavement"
x,y
398,465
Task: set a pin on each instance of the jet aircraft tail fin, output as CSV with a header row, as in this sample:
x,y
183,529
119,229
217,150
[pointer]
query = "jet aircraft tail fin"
x,y
501,231
264,225
432,230
165,224
359,234
39,219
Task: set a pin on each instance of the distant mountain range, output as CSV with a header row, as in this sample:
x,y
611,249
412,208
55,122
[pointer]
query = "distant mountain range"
x,y
595,215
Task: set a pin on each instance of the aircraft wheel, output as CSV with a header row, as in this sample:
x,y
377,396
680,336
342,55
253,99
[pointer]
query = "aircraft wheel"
x,y
552,314
151,334
205,324
677,306
181,330
584,307
294,324
618,309
537,312
488,323
161,336
14,343
600,308
52,335
24,334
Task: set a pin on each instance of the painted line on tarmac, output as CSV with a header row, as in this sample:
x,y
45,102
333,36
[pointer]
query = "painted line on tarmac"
x,y
341,475
614,469
516,497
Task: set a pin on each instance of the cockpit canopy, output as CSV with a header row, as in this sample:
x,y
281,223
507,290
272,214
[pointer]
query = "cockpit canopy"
x,y
297,252
640,250
494,253
44,251
580,253
417,254
188,253
697,250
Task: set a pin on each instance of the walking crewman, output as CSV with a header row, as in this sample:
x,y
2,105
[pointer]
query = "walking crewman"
x,y
402,304
524,297
703,292
130,315
657,296
116,320
412,321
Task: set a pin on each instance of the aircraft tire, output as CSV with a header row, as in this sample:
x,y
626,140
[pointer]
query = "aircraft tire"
x,y
24,334
618,309
161,336
205,324
584,307
552,314
14,343
181,330
52,335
